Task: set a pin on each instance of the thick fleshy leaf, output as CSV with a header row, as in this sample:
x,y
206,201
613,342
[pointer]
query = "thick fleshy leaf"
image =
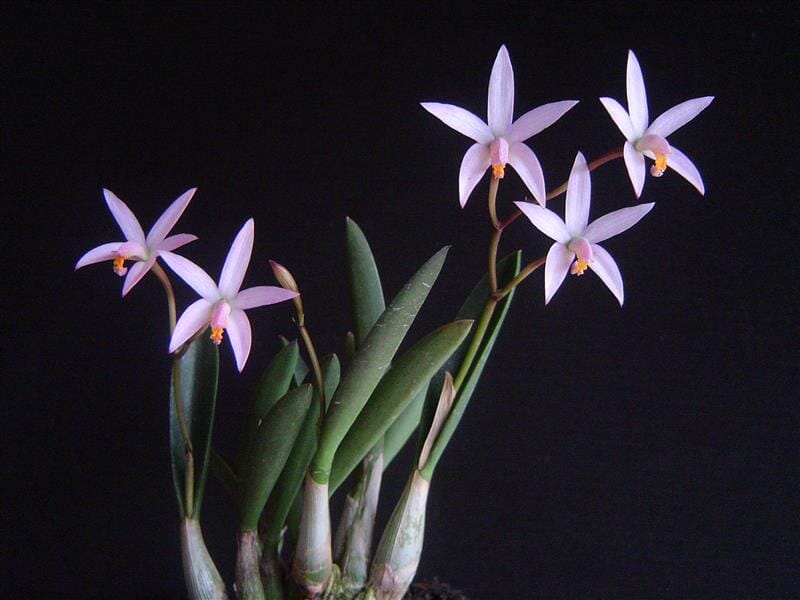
x,y
473,166
529,170
403,427
500,104
195,318
634,164
461,120
607,270
174,242
193,275
538,119
135,273
240,335
99,254
371,361
194,384
366,293
262,295
678,116
401,384
579,193
637,97
124,217
620,117
616,222
686,169
546,221
168,219
237,261
271,447
556,267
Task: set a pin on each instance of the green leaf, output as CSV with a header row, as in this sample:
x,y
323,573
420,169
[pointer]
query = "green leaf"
x,y
403,427
274,383
371,361
301,370
194,384
291,478
271,447
507,268
401,384
366,294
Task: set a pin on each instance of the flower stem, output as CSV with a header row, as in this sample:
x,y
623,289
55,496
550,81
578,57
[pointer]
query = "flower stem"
x,y
526,270
162,277
494,183
475,342
312,355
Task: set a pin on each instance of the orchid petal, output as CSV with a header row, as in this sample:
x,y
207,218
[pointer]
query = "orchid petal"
x,y
99,254
607,270
686,169
196,316
124,217
461,120
168,219
138,270
616,222
262,295
193,275
237,261
174,242
620,117
474,164
538,119
500,110
529,170
634,163
556,267
240,335
678,116
637,97
546,221
579,191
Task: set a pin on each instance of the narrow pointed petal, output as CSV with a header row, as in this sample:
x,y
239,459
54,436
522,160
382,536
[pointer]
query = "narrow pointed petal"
x,y
135,274
607,270
579,193
538,119
634,163
230,280
500,110
261,295
637,97
546,221
473,166
620,117
529,170
193,275
124,217
559,258
616,222
99,254
168,219
240,335
678,116
195,318
461,120
686,169
174,242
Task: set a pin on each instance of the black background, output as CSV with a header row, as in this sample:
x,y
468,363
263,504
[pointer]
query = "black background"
x,y
648,450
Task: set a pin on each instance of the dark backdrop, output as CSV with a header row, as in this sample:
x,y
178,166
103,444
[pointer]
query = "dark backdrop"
x,y
648,450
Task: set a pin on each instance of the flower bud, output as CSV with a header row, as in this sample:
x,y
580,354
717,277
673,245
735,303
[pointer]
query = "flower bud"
x,y
283,276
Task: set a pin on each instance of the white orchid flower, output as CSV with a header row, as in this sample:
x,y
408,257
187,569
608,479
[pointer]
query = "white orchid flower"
x,y
576,240
222,306
650,139
500,141
143,250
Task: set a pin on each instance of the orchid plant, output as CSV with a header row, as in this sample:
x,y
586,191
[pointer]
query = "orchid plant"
x,y
311,425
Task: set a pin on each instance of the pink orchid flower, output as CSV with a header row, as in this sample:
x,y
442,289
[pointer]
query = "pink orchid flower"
x,y
650,139
576,240
143,250
222,306
500,141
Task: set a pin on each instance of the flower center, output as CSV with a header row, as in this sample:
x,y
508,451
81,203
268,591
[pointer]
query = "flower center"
x,y
658,168
119,267
219,320
583,256
498,153
579,266
216,335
